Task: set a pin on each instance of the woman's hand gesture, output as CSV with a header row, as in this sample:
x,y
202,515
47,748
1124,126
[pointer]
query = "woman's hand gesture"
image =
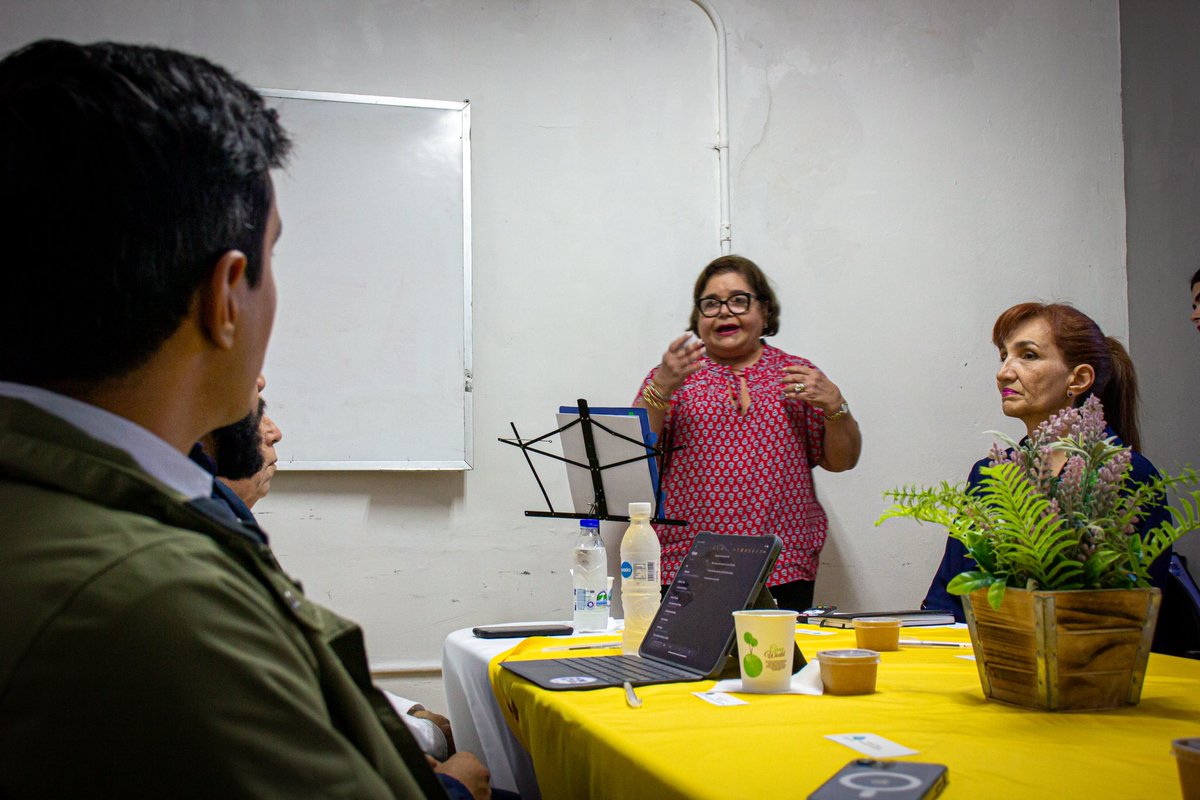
x,y
681,359
813,387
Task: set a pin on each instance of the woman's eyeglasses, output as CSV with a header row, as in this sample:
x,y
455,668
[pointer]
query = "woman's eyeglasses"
x,y
737,304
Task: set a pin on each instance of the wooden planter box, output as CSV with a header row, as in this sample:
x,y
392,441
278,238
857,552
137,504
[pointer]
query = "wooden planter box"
x,y
1063,651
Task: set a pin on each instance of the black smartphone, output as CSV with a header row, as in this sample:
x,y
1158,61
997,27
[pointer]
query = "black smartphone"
x,y
897,780
520,631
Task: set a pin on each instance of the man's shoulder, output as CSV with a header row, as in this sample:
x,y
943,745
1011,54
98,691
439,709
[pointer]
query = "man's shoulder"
x,y
153,639
53,524
65,558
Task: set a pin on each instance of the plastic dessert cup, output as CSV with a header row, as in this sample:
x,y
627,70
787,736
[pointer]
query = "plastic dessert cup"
x,y
1187,757
877,633
848,671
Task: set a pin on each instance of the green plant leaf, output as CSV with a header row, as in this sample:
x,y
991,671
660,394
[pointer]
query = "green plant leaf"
x,y
996,594
1022,532
967,582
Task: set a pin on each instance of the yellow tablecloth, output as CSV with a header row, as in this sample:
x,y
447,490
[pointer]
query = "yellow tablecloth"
x,y
589,744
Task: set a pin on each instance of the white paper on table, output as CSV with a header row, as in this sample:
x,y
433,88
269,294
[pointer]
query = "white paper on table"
x,y
806,681
720,698
871,744
808,630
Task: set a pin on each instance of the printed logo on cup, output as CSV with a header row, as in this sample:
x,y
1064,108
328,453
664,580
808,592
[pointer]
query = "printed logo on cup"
x,y
775,658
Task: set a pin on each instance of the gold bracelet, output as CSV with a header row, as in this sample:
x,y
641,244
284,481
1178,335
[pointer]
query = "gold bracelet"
x,y
841,412
657,392
653,398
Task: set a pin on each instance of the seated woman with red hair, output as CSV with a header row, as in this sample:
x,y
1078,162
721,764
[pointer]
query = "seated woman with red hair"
x,y
1053,356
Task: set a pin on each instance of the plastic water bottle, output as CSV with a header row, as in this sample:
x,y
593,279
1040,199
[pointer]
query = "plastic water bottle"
x,y
641,562
591,578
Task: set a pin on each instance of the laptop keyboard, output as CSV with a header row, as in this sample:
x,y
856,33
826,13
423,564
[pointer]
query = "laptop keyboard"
x,y
626,668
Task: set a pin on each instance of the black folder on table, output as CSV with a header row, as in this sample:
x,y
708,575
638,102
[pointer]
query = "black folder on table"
x,y
908,619
691,635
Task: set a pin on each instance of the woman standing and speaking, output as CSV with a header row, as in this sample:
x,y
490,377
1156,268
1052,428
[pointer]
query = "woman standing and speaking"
x,y
753,421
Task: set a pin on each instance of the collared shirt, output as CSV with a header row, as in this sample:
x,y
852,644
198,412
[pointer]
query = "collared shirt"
x,y
152,454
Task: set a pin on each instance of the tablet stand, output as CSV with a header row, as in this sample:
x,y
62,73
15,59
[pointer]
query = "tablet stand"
x,y
599,507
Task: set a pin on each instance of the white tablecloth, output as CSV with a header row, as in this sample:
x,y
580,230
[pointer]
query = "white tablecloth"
x,y
478,725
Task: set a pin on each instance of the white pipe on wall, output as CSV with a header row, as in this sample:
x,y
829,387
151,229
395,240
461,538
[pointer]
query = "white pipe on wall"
x,y
725,233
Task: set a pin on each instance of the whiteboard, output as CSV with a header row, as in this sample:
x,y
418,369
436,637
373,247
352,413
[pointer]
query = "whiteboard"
x,y
369,365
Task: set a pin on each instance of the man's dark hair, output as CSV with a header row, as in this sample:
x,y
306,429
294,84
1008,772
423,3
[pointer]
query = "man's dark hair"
x,y
1195,278
238,447
125,173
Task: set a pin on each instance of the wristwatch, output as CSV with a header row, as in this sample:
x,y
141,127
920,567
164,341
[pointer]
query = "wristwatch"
x,y
841,412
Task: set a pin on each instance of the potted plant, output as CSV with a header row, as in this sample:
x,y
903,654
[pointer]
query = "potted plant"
x,y
1059,606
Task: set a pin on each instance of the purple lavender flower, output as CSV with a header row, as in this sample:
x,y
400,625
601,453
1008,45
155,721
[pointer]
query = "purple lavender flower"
x,y
1070,489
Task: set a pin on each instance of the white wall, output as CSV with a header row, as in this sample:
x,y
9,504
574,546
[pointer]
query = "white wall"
x,y
1161,77
903,170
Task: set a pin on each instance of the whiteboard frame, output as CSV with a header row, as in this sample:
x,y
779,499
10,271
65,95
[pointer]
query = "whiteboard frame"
x,y
464,108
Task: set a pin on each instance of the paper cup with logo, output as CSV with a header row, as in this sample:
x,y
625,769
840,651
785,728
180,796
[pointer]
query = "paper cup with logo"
x,y
765,641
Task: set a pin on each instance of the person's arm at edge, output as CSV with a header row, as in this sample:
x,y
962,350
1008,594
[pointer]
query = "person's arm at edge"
x,y
843,442
839,444
463,772
955,560
680,360
656,417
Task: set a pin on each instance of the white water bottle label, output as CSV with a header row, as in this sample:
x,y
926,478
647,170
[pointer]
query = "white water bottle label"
x,y
640,571
590,599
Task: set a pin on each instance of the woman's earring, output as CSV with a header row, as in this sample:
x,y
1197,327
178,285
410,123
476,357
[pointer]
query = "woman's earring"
x,y
1070,394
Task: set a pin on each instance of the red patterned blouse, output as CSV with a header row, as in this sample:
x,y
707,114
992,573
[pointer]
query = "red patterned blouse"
x,y
744,473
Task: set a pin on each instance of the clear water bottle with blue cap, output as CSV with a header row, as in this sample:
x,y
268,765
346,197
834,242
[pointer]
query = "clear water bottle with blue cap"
x,y
590,575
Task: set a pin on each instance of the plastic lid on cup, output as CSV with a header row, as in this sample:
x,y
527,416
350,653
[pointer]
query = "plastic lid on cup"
x,y
849,656
1189,748
639,509
589,523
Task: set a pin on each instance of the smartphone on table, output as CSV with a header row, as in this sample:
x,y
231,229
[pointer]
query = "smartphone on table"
x,y
895,780
520,631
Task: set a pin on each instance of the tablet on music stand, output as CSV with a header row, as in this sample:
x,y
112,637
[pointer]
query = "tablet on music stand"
x,y
633,476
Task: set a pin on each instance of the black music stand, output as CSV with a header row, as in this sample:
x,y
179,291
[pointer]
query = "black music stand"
x,y
599,506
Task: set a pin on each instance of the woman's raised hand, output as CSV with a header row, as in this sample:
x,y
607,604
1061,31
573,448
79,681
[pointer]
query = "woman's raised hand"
x,y
810,385
681,359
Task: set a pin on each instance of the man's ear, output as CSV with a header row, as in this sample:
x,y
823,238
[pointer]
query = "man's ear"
x,y
219,306
1082,378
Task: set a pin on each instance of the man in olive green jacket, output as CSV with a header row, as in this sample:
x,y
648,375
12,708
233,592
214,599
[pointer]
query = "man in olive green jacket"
x,y
150,645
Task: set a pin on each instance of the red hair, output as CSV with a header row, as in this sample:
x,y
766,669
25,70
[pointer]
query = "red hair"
x,y
1081,341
